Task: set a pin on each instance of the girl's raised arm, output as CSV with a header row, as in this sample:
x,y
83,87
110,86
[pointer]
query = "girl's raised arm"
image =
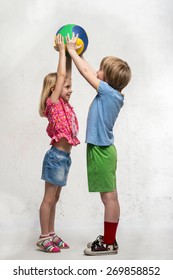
x,y
68,66
61,70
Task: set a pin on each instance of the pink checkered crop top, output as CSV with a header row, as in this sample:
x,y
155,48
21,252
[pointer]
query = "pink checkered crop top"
x,y
62,122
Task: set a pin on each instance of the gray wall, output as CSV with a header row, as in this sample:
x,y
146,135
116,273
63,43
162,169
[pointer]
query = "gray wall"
x,y
137,31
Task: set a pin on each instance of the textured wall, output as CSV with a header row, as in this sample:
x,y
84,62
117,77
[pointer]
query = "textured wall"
x,y
137,31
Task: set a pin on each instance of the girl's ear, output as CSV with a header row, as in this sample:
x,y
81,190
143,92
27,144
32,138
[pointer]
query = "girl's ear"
x,y
52,89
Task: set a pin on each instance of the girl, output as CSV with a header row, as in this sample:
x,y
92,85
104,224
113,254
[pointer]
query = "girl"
x,y
62,129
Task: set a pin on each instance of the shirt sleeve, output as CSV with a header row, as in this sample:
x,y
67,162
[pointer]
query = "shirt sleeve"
x,y
48,102
50,107
103,88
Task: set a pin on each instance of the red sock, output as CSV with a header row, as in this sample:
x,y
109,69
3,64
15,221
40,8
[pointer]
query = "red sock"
x,y
110,232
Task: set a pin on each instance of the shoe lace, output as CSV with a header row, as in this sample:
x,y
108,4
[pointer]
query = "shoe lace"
x,y
97,244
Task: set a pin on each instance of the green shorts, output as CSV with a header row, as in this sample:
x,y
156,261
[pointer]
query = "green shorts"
x,y
101,168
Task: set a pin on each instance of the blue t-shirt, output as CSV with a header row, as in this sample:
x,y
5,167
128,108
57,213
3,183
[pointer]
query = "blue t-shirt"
x,y
102,115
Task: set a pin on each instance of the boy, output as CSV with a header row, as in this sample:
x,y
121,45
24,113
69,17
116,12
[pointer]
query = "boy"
x,y
114,74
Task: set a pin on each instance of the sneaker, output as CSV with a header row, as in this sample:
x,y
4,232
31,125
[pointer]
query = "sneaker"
x,y
98,247
100,238
46,245
57,241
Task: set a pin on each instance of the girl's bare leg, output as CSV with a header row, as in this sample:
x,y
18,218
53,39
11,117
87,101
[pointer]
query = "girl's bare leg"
x,y
46,206
53,209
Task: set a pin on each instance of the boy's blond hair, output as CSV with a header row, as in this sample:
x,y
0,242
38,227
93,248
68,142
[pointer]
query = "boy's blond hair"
x,y
48,83
117,72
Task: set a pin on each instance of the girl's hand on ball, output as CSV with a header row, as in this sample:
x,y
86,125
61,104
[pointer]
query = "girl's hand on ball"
x,y
59,41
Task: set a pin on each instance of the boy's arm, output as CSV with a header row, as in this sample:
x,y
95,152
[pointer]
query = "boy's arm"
x,y
81,64
61,70
89,66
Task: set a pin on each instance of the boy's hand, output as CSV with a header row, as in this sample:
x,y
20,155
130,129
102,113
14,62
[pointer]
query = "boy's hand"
x,y
59,41
72,43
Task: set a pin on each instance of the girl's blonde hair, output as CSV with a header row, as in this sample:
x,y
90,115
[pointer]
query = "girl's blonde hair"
x,y
48,83
117,72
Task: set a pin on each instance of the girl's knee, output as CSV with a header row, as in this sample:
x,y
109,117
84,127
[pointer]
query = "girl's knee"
x,y
51,195
57,196
48,201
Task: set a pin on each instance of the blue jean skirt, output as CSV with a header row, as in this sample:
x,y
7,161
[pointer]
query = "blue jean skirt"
x,y
56,165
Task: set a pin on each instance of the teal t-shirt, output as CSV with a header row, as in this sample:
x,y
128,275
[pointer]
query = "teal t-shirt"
x,y
102,115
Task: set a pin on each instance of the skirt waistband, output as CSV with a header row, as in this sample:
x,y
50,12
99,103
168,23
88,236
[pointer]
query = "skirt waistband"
x,y
60,152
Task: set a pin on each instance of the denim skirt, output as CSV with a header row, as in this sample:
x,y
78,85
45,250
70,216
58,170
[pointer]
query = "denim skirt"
x,y
56,165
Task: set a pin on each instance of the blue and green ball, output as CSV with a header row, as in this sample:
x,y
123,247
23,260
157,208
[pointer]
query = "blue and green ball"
x,y
82,38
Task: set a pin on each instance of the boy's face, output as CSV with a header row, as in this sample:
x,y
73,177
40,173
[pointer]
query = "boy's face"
x,y
67,90
100,74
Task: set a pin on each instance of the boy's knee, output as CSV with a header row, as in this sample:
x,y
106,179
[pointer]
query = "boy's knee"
x,y
109,197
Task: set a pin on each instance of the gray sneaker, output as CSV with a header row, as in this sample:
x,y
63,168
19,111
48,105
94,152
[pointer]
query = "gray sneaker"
x,y
99,238
98,247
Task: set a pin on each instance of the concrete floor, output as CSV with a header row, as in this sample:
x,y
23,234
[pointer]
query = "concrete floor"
x,y
136,243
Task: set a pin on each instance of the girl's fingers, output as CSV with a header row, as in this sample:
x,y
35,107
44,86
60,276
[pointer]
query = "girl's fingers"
x,y
59,39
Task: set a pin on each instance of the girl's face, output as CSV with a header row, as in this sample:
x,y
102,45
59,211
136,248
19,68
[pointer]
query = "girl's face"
x,y
67,90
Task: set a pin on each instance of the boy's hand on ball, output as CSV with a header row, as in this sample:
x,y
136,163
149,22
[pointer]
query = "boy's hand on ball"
x,y
76,37
72,43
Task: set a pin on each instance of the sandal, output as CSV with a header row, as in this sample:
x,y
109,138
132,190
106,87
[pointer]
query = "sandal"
x,y
47,245
57,241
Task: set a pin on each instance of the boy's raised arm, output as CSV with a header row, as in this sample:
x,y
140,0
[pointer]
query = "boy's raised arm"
x,y
86,71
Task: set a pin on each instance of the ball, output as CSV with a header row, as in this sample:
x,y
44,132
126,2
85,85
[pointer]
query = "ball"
x,y
82,36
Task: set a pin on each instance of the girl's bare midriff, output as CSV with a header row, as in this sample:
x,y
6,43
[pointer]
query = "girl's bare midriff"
x,y
63,145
